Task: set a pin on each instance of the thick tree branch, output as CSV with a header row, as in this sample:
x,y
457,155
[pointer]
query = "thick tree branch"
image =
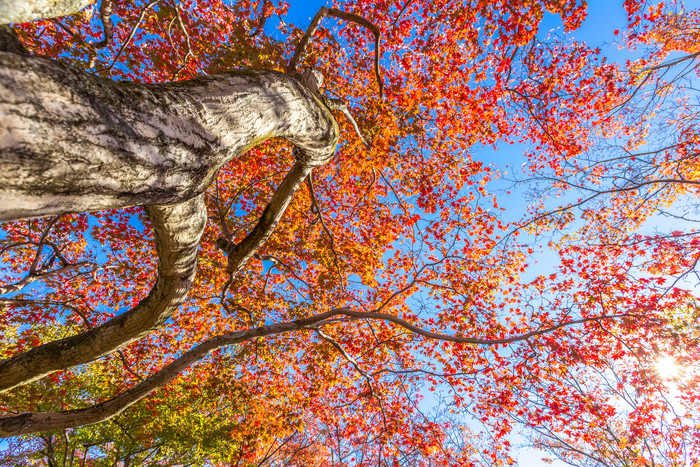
x,y
73,142
15,425
178,229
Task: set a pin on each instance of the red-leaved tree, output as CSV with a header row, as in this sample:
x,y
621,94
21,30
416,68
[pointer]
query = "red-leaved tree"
x,y
227,244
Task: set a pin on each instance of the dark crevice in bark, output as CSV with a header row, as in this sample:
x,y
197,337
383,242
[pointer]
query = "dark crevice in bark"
x,y
9,42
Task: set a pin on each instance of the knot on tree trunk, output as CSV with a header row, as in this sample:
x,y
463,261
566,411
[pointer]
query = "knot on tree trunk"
x,y
312,79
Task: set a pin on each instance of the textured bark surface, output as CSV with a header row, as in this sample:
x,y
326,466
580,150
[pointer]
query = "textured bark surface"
x,y
72,142
14,11
9,42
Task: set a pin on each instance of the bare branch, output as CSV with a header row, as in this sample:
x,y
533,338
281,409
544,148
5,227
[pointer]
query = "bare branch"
x,y
349,358
675,62
240,253
189,53
351,17
405,6
145,8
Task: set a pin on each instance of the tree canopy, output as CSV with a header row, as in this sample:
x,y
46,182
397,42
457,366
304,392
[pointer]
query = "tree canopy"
x,y
231,240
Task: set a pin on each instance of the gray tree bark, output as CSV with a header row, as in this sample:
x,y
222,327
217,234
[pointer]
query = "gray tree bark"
x,y
14,11
74,142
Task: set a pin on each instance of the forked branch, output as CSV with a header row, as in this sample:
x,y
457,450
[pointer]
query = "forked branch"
x,y
353,18
177,229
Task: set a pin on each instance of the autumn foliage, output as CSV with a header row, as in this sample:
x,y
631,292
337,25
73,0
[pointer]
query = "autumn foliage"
x,y
415,224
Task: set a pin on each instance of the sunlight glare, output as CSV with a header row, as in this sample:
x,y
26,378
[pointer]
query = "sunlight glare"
x,y
667,368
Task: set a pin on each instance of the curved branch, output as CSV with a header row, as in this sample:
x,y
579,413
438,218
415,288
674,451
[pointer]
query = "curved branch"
x,y
353,18
15,425
74,142
178,229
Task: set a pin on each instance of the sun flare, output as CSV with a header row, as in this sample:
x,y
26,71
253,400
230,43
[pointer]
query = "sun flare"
x,y
668,368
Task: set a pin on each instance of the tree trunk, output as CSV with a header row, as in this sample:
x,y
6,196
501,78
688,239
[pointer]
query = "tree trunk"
x,y
14,11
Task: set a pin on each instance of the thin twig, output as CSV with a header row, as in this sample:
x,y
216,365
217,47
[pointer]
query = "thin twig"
x,y
77,37
17,286
189,45
145,8
349,358
314,202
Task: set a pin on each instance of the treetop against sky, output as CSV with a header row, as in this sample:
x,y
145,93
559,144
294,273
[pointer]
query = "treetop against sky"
x,y
237,237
